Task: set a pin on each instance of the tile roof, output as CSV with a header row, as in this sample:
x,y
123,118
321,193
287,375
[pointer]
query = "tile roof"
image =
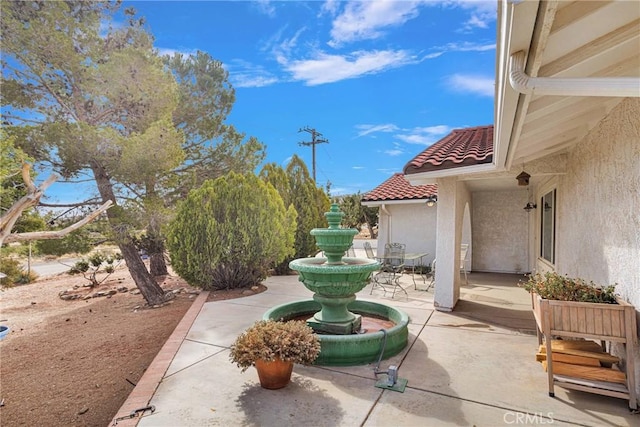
x,y
398,188
462,147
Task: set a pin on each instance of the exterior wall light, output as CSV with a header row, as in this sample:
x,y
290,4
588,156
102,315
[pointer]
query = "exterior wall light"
x,y
523,178
530,206
431,200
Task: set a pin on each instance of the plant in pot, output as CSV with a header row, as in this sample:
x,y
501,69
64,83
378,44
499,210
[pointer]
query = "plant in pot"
x,y
273,347
574,308
553,286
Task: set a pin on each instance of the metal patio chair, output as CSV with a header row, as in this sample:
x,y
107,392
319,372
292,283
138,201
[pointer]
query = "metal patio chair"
x,y
369,250
392,268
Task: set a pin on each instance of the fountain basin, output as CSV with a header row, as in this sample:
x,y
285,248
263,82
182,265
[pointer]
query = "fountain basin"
x,y
353,349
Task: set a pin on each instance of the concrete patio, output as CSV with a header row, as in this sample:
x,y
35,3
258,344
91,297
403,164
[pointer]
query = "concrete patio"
x,y
474,366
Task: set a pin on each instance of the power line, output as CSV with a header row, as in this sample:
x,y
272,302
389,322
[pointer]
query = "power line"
x,y
316,138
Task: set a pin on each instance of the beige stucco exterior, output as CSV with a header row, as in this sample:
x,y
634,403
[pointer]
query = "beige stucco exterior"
x,y
500,231
598,233
558,117
412,223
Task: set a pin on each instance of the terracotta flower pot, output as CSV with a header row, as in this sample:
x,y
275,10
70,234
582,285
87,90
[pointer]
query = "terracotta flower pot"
x,y
274,375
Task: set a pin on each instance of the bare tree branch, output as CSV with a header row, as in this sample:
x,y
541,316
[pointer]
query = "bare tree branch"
x,y
58,234
8,220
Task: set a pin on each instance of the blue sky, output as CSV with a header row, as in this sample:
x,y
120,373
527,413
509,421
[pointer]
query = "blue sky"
x,y
380,80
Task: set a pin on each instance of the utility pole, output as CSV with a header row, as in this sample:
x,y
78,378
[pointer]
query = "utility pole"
x,y
316,138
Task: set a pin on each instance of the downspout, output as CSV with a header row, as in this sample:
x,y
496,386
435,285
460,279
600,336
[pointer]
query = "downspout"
x,y
574,86
383,208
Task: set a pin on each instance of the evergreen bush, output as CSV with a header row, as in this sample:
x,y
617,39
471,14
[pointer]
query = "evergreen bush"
x,y
229,232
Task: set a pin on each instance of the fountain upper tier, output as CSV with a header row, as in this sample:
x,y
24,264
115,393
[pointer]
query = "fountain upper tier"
x,y
334,241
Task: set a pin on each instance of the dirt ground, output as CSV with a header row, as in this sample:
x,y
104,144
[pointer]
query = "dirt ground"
x,y
74,362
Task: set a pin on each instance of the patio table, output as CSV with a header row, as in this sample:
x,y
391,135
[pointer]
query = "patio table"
x,y
417,260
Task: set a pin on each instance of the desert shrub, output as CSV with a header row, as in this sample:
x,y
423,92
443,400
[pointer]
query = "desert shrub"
x,y
227,233
78,241
14,273
298,189
95,264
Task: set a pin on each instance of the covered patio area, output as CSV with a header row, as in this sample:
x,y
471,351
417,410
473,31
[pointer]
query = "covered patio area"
x,y
473,366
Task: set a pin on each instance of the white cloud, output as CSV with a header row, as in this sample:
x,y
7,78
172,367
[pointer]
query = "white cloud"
x,y
368,129
433,130
424,135
417,139
460,47
394,152
325,68
247,80
357,167
363,20
246,74
469,47
482,13
479,85
330,7
266,7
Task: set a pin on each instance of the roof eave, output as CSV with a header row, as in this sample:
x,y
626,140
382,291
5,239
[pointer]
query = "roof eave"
x,y
374,203
520,16
430,177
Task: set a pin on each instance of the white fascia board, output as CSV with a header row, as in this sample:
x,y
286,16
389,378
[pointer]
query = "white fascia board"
x,y
515,27
431,176
375,203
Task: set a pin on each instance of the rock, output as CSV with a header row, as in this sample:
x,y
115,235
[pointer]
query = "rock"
x,y
122,289
83,411
255,288
247,292
135,292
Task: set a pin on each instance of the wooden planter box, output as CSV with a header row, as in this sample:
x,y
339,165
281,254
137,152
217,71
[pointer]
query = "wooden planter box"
x,y
592,321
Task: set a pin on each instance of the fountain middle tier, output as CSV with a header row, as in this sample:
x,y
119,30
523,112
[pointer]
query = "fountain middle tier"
x,y
334,286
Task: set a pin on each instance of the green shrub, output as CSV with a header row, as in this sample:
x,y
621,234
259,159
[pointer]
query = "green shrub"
x,y
14,272
96,263
78,241
553,286
227,233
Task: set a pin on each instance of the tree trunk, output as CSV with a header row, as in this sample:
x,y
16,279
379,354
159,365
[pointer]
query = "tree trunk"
x,y
155,250
151,291
157,264
372,231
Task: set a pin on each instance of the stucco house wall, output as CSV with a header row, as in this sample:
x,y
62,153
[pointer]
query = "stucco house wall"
x,y
598,237
500,231
413,224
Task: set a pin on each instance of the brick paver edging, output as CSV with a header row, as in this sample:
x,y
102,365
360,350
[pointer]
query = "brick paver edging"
x,y
146,387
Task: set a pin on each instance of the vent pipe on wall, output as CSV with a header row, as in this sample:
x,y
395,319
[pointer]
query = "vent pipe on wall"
x,y
587,86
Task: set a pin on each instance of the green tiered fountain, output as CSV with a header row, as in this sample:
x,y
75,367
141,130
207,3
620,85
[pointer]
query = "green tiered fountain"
x,y
351,332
